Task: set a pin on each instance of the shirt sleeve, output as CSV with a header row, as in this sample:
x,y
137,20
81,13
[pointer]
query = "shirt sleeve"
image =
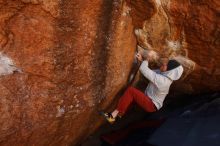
x,y
147,72
156,70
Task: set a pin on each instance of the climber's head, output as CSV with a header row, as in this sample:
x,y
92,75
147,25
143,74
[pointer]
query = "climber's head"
x,y
166,64
163,63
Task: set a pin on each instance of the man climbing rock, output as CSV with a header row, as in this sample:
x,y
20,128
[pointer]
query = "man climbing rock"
x,y
156,91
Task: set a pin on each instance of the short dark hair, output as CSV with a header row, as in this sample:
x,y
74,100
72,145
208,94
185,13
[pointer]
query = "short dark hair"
x,y
172,64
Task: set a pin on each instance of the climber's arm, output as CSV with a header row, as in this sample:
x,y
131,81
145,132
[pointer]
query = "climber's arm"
x,y
147,72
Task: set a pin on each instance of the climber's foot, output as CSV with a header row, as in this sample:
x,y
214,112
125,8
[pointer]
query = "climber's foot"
x,y
108,117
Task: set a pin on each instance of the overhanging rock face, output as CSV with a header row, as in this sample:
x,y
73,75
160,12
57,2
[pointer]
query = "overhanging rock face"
x,y
63,60
190,29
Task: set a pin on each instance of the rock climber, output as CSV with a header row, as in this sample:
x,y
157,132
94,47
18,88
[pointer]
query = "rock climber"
x,y
156,91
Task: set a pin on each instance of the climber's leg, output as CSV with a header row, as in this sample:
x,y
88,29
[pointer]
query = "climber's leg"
x,y
134,95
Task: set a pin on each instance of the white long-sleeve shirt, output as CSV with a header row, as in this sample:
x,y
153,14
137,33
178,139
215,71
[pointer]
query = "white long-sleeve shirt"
x,y
160,82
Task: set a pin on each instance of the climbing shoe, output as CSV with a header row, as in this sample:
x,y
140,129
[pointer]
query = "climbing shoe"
x,y
108,117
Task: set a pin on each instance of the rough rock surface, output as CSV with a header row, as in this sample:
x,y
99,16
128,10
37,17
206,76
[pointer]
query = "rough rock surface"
x,y
69,58
73,54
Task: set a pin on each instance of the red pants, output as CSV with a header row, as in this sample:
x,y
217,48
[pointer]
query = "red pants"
x,y
133,95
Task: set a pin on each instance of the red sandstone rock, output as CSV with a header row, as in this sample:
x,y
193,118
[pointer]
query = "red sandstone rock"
x,y
75,54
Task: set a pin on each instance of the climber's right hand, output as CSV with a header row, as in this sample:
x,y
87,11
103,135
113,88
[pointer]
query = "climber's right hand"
x,y
139,57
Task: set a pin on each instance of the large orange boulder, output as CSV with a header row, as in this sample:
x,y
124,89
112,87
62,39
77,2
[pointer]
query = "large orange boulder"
x,y
61,61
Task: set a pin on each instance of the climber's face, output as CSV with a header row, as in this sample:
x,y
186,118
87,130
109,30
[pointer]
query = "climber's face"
x,y
163,64
163,68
